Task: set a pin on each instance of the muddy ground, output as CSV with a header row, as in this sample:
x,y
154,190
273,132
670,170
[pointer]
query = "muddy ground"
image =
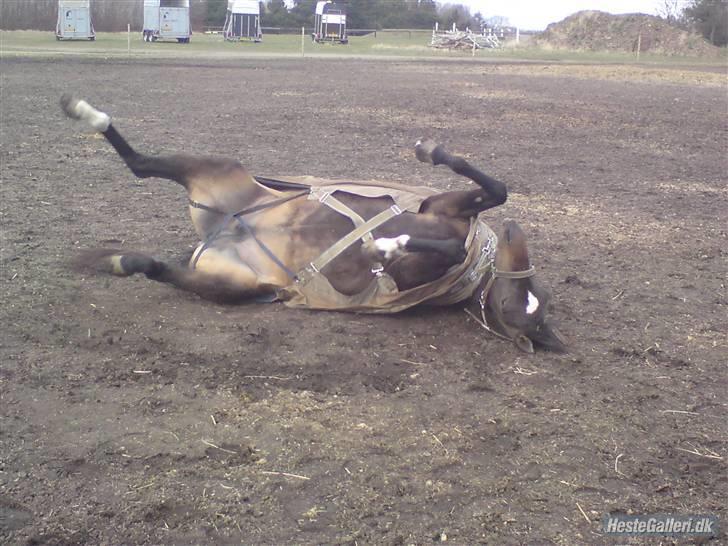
x,y
133,413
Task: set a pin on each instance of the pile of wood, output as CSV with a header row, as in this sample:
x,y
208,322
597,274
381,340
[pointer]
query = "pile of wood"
x,y
460,39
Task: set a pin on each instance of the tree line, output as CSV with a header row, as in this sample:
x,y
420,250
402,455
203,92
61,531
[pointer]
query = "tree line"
x,y
709,17
106,15
114,15
361,14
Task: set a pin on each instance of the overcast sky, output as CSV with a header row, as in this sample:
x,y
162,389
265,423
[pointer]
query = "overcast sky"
x,y
537,14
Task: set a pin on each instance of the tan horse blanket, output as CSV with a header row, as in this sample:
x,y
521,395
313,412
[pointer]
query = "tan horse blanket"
x,y
314,291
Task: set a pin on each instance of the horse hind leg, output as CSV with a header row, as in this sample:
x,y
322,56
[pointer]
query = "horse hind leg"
x,y
217,183
216,278
172,167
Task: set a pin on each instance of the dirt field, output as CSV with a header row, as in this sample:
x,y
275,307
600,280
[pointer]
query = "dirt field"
x,y
133,413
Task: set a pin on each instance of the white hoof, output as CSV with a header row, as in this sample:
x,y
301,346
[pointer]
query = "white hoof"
x,y
80,109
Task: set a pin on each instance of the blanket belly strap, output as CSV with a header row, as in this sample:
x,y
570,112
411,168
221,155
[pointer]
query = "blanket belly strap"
x,y
350,238
362,229
326,198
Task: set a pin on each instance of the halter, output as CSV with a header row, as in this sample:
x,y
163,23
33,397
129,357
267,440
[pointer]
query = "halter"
x,y
497,274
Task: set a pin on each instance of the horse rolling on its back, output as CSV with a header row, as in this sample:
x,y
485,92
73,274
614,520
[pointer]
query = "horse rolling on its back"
x,y
350,245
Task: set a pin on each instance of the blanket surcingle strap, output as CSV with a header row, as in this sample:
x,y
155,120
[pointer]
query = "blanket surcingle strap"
x,y
313,290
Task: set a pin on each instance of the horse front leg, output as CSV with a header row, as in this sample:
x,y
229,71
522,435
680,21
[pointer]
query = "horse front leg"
x,y
460,204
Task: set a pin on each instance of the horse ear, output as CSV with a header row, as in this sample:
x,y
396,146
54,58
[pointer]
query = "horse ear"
x,y
524,343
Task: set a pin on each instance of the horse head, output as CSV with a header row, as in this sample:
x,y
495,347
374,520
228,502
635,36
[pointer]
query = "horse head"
x,y
513,303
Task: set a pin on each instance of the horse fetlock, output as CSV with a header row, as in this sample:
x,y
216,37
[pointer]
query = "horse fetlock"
x,y
116,267
81,110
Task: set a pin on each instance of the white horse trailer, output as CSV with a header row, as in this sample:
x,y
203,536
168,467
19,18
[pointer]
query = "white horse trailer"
x,y
74,20
330,23
242,21
167,20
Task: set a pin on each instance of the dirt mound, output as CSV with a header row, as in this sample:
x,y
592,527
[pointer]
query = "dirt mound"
x,y
600,31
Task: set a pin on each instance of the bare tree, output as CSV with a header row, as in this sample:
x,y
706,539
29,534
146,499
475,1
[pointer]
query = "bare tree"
x,y
672,11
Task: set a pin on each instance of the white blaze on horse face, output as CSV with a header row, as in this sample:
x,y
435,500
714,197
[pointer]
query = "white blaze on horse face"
x,y
391,246
532,304
98,120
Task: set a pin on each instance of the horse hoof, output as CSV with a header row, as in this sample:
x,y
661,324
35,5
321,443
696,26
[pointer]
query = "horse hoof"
x,y
424,149
69,104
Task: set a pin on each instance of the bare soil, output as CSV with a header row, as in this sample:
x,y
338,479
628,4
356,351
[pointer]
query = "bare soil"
x,y
133,413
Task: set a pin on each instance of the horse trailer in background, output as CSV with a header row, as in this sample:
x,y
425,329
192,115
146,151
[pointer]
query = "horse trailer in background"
x,y
74,20
242,21
330,23
167,20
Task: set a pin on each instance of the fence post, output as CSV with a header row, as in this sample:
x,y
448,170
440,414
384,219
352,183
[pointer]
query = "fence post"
x,y
303,33
639,45
128,39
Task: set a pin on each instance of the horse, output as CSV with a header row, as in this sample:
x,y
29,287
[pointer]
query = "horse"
x,y
360,246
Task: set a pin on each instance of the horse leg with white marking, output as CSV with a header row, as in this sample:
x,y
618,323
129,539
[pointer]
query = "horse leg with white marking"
x,y
460,204
219,274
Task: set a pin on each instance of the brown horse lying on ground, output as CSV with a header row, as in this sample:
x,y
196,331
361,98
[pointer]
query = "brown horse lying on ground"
x,y
353,246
